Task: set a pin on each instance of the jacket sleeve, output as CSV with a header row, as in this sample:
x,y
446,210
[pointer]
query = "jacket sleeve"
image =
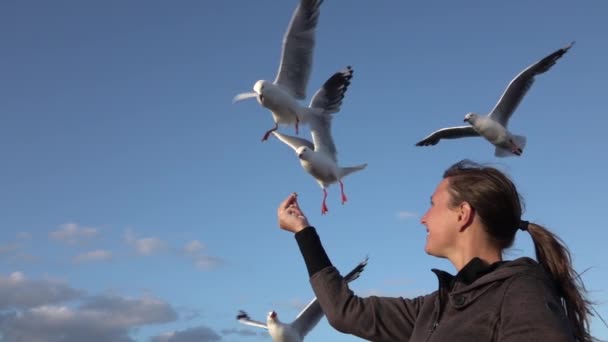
x,y
380,319
531,311
372,318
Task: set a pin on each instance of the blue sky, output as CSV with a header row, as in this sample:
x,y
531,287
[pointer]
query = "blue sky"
x,y
134,193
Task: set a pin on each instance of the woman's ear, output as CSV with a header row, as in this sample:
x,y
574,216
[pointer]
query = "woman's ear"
x,y
466,214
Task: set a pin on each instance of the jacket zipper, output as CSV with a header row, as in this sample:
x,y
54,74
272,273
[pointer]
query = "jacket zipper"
x,y
437,314
436,318
435,322
442,299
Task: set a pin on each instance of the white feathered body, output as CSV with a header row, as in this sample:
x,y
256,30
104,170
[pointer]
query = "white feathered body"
x,y
282,332
284,107
492,130
497,134
324,169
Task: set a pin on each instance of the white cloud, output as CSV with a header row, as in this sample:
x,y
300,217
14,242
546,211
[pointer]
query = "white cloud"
x,y
123,312
97,319
16,291
97,255
149,246
195,250
196,334
193,247
145,246
205,262
404,215
244,332
71,233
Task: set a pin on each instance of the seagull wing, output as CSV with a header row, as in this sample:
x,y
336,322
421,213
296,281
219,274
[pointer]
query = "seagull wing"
x,y
356,272
320,129
244,318
298,45
308,318
519,86
329,97
448,133
293,142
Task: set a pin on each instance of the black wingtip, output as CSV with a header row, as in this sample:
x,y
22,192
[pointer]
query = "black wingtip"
x,y
567,47
425,143
242,314
356,272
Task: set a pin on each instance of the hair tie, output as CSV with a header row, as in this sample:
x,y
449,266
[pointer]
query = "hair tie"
x,y
523,225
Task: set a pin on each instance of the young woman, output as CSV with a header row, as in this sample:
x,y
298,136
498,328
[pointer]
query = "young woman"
x,y
474,215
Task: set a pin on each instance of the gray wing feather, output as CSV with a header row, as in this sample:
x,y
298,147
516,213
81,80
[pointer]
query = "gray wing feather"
x,y
297,51
244,318
448,133
293,142
521,84
309,317
329,97
320,129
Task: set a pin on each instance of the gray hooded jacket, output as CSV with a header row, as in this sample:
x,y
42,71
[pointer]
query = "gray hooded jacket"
x,y
507,302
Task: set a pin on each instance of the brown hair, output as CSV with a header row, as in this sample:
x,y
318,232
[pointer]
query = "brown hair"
x,y
495,199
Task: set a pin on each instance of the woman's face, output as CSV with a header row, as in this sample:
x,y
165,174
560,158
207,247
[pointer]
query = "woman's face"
x,y
441,223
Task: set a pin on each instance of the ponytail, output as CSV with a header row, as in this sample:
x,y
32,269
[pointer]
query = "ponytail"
x,y
553,255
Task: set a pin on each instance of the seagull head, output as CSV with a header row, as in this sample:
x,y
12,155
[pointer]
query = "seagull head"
x,y
303,152
470,118
258,88
272,316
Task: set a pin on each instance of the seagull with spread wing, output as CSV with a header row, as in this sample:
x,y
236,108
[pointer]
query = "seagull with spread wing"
x,y
306,320
319,157
493,127
281,96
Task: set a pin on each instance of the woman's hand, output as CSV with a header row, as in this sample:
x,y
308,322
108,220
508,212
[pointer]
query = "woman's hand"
x,y
291,218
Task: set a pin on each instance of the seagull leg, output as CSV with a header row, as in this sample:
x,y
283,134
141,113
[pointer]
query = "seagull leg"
x,y
324,209
344,199
297,124
265,137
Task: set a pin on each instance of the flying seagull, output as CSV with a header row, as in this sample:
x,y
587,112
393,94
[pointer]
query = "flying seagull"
x,y
319,157
306,320
493,126
281,96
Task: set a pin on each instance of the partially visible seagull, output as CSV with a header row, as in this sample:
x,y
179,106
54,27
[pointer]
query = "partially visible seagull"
x,y
493,127
281,96
319,158
306,320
